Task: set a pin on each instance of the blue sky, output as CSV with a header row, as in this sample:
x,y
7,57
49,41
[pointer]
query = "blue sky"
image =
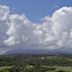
x,y
35,9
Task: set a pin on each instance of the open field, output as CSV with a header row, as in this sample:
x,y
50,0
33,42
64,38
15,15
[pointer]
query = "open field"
x,y
30,68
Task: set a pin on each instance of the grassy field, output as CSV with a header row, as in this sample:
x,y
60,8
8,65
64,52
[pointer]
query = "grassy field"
x,y
30,68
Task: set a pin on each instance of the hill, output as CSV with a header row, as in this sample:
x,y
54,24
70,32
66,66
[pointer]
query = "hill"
x,y
35,63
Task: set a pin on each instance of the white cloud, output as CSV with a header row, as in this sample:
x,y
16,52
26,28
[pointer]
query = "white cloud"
x,y
4,11
54,32
62,18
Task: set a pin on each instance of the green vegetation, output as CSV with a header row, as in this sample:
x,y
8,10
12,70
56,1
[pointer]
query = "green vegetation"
x,y
35,63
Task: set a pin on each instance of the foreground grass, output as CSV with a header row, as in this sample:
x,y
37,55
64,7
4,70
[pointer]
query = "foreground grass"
x,y
5,68
30,68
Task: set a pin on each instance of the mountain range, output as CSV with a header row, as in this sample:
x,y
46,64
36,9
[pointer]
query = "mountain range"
x,y
42,51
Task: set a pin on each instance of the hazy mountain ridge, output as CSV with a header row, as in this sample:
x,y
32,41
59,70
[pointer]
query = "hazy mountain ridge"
x,y
42,51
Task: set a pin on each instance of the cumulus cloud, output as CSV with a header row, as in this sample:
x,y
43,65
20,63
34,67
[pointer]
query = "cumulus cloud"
x,y
54,32
4,13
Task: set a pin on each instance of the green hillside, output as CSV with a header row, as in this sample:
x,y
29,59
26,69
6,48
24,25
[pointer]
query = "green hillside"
x,y
35,63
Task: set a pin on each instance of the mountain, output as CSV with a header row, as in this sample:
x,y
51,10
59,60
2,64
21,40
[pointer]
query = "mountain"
x,y
42,51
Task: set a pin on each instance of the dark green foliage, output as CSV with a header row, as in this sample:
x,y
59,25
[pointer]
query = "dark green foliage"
x,y
34,63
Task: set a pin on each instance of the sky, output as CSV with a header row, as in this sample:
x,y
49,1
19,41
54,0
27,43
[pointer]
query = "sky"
x,y
35,9
36,24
